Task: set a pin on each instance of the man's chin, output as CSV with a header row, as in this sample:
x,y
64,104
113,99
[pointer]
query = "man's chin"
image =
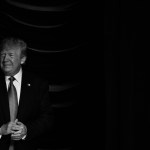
x,y
10,72
7,71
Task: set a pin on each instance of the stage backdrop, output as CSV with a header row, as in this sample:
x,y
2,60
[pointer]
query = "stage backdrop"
x,y
126,62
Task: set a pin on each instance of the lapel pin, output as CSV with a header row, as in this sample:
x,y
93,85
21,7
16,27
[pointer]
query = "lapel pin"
x,y
29,84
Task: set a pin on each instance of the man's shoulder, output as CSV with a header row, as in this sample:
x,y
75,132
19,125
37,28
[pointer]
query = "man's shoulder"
x,y
34,77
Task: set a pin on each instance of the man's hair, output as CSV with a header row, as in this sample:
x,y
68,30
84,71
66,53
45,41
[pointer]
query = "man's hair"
x,y
11,41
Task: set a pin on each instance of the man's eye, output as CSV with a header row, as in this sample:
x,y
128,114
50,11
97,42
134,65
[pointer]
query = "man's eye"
x,y
2,55
11,55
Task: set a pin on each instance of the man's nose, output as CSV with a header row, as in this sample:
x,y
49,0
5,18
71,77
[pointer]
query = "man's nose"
x,y
5,58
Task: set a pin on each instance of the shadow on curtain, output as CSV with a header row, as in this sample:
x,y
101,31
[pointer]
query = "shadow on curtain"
x,y
125,59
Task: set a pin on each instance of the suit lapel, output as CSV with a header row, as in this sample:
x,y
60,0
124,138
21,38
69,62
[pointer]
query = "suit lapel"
x,y
4,99
24,96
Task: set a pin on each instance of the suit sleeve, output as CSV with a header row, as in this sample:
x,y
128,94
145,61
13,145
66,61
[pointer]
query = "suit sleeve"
x,y
43,122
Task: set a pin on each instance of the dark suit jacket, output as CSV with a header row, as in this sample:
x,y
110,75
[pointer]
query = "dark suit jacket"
x,y
34,111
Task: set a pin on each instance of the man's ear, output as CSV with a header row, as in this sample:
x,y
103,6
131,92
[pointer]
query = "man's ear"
x,y
23,59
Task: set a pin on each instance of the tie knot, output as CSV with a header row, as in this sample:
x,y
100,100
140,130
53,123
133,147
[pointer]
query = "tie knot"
x,y
11,79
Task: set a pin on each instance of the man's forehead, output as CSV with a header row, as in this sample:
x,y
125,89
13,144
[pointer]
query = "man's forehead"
x,y
10,49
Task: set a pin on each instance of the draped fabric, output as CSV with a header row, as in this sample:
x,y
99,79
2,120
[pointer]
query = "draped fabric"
x,y
125,63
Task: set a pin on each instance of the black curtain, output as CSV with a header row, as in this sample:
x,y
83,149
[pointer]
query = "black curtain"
x,y
125,65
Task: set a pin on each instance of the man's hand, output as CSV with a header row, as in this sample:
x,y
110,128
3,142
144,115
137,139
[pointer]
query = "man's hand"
x,y
20,129
7,128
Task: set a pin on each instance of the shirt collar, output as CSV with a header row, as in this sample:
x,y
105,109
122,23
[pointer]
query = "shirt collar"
x,y
17,76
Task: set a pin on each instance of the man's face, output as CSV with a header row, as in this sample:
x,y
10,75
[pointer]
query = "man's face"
x,y
10,60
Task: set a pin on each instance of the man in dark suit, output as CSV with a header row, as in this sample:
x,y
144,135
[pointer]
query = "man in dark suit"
x,y
33,110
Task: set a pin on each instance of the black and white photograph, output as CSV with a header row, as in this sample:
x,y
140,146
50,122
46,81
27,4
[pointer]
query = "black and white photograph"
x,y
43,66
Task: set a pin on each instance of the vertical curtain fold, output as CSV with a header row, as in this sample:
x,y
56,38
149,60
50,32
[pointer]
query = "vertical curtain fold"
x,y
119,75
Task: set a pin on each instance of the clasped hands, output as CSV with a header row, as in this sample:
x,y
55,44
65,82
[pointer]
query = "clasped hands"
x,y
17,130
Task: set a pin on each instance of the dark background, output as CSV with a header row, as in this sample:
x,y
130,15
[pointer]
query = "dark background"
x,y
58,37
126,31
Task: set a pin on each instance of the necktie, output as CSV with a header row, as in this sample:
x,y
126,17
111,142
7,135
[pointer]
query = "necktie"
x,y
13,104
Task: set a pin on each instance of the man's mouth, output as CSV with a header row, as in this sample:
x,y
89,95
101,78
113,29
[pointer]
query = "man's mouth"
x,y
6,65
